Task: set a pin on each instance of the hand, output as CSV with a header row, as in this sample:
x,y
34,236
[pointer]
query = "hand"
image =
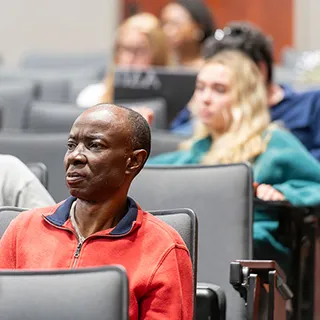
x,y
268,193
146,112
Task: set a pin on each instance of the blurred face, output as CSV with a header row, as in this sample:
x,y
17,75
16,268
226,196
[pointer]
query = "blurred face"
x,y
134,50
96,160
178,25
213,97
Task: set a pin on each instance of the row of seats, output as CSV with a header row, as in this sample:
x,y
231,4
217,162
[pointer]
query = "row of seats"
x,y
20,112
232,209
50,148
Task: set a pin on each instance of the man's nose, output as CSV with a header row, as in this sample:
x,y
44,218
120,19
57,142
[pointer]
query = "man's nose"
x,y
77,155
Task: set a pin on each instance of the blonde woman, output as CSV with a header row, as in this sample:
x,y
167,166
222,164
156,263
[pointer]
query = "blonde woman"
x,y
140,43
230,105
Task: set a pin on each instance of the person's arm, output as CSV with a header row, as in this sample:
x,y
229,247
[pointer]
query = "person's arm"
x,y
19,187
34,195
170,290
292,170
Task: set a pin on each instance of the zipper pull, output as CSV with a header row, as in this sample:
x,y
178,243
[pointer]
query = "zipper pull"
x,y
77,253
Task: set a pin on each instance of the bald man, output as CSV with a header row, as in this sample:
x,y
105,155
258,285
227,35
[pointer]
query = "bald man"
x,y
108,145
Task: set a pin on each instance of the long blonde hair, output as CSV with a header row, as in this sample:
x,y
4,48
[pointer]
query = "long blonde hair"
x,y
150,26
244,139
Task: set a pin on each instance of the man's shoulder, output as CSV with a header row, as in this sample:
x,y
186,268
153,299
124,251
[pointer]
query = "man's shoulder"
x,y
162,230
26,217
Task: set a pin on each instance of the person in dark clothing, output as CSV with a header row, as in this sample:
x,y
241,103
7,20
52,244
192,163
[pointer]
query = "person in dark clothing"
x,y
298,111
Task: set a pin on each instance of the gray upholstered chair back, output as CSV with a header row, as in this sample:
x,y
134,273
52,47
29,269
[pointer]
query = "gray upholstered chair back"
x,y
64,61
15,99
163,141
222,198
7,214
157,105
46,148
90,293
40,170
49,117
184,221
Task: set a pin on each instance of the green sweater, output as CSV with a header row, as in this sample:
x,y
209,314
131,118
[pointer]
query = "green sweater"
x,y
286,165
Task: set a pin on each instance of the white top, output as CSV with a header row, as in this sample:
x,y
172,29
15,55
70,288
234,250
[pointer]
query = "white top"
x,y
19,187
91,95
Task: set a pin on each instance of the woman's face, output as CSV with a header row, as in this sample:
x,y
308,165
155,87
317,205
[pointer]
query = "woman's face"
x,y
178,25
213,97
133,50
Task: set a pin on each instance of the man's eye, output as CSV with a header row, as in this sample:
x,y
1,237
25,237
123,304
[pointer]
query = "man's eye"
x,y
71,145
95,145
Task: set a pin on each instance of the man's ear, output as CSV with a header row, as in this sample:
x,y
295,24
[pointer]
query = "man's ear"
x,y
136,161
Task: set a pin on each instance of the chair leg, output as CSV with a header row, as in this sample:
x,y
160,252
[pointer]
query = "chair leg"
x,y
277,304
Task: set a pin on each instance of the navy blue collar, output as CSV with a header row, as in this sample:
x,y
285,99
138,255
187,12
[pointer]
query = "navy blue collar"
x,y
61,215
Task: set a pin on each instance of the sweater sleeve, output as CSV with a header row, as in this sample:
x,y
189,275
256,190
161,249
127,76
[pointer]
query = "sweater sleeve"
x,y
170,291
291,169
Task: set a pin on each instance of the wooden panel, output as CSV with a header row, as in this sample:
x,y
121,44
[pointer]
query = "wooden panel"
x,y
153,6
274,17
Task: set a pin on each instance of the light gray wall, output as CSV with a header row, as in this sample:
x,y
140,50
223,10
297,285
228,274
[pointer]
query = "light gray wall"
x,y
56,26
307,24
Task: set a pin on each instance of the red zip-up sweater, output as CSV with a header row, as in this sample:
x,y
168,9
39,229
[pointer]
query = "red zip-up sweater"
x,y
155,257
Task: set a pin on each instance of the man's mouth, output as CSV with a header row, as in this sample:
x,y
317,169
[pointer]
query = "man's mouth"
x,y
73,177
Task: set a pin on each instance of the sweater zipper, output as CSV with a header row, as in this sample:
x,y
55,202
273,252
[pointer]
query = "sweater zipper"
x,y
79,246
77,254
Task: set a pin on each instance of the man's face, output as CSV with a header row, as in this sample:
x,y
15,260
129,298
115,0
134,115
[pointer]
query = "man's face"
x,y
97,156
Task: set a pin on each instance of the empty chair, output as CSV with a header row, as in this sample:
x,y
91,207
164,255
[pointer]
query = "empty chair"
x,y
93,61
51,117
46,148
15,99
51,85
222,198
91,293
40,170
59,117
47,86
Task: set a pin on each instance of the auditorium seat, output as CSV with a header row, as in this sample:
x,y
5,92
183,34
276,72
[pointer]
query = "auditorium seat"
x,y
222,197
66,61
50,117
164,141
88,293
46,148
15,99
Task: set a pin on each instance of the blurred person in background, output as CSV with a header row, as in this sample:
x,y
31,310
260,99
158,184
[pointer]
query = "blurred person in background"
x,y
140,43
19,187
233,125
299,111
187,24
